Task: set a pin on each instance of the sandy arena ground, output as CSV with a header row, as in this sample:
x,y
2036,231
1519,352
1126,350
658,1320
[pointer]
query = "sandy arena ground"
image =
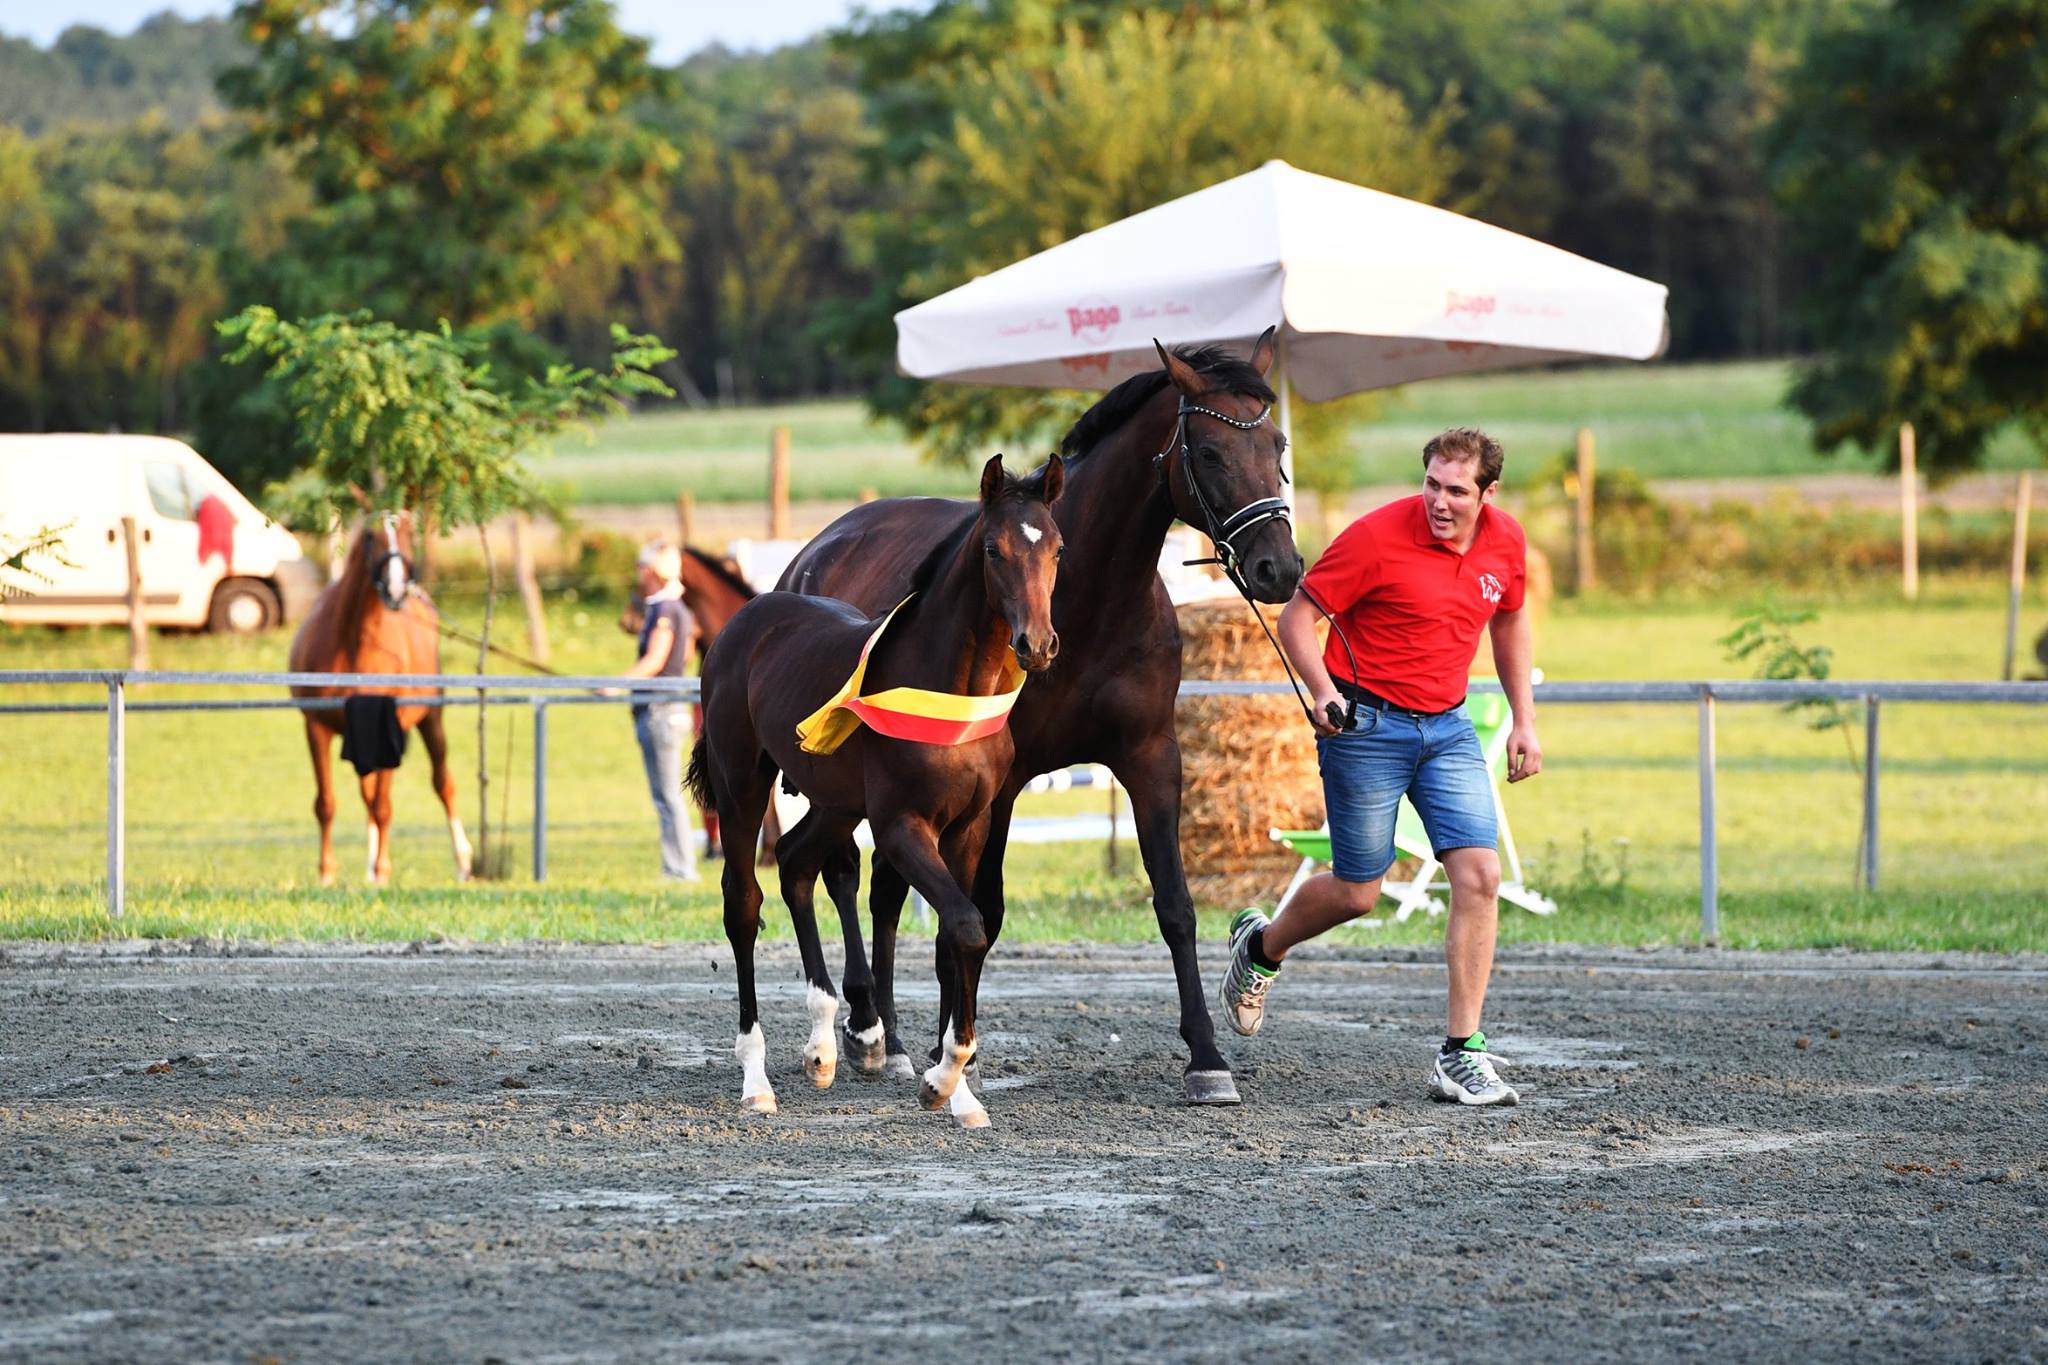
x,y
537,1155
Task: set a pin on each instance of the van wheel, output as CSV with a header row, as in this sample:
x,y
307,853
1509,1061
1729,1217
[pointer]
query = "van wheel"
x,y
243,606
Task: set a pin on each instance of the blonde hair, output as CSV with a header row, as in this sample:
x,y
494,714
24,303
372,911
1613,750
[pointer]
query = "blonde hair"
x,y
664,558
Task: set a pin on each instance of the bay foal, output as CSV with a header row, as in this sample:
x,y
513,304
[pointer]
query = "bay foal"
x,y
916,742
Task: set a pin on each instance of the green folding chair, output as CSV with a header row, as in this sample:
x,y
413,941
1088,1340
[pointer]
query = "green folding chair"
x,y
1491,719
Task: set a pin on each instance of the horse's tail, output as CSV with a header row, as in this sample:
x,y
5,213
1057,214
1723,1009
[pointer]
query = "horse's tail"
x,y
698,778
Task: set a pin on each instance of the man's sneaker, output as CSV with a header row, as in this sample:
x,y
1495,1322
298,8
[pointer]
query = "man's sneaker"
x,y
1243,994
1467,1076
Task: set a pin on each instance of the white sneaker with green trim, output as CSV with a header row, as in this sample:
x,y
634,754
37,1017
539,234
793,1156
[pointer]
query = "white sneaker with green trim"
x,y
1243,992
1467,1076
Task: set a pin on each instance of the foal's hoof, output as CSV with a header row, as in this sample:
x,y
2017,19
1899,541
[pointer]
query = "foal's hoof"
x,y
1210,1087
763,1103
867,1053
930,1096
898,1067
822,1070
977,1117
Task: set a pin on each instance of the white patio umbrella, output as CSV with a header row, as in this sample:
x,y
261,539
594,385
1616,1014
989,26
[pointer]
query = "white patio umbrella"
x,y
1369,289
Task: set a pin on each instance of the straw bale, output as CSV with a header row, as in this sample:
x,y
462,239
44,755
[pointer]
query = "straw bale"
x,y
1249,763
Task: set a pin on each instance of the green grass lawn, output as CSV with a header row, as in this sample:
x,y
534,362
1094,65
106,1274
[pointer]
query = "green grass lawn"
x,y
1665,421
221,837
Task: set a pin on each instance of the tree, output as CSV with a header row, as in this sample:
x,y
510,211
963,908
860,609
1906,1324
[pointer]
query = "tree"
x,y
395,418
1912,163
1052,137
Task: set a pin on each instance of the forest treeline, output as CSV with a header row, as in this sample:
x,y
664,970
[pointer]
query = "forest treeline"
x,y
525,170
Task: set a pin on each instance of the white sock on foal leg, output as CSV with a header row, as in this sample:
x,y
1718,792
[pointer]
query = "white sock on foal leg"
x,y
458,844
945,1075
370,864
756,1094
821,1053
966,1109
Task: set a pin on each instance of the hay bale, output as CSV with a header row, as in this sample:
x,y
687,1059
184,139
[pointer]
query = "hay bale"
x,y
1249,763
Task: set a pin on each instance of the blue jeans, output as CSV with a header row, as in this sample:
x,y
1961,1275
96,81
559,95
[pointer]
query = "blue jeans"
x,y
663,730
1434,761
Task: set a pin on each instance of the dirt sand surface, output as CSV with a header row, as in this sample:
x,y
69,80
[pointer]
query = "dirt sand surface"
x,y
538,1155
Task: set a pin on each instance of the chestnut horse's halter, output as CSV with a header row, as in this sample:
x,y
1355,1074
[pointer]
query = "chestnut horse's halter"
x,y
1223,534
391,552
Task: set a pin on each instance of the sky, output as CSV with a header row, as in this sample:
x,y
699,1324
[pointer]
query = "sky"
x,y
678,27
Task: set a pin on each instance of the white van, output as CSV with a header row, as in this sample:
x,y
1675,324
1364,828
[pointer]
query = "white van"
x,y
241,573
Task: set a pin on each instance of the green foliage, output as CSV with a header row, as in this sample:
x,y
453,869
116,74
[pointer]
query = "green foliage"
x,y
90,76
1057,129
389,417
1765,637
1912,161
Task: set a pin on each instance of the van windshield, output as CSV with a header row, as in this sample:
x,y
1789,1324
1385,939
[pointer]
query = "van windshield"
x,y
169,492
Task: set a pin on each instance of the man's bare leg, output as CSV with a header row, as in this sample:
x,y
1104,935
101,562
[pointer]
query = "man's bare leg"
x,y
1322,903
1468,934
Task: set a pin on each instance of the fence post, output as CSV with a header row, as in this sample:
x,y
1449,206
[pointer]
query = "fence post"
x,y
778,484
138,631
117,797
1870,793
1710,853
1909,514
540,790
2018,582
1584,574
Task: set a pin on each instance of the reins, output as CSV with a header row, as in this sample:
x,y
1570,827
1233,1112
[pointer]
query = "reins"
x,y
1222,534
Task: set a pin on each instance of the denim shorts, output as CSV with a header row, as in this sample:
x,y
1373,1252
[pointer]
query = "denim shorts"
x,y
1434,761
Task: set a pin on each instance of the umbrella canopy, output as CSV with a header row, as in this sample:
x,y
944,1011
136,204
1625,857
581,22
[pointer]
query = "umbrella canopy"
x,y
1370,289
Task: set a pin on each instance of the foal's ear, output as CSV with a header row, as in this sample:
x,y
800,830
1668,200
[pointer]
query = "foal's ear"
x,y
1263,351
1179,371
992,480
1052,479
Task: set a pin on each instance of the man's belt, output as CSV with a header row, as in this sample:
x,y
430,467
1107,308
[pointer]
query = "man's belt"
x,y
1367,697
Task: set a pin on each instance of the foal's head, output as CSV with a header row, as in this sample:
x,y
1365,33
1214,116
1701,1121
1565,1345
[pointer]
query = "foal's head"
x,y
1020,548
384,560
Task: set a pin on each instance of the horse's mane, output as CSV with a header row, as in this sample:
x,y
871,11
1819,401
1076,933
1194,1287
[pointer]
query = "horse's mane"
x,y
1026,487
1228,372
352,592
718,569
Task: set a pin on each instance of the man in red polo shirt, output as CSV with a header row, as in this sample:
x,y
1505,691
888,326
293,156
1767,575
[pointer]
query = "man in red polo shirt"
x,y
1409,587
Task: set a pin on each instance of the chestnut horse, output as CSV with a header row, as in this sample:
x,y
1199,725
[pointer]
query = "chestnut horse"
x,y
920,768
1189,442
374,619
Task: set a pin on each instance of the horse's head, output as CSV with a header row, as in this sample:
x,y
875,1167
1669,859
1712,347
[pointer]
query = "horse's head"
x,y
1222,470
1021,548
384,558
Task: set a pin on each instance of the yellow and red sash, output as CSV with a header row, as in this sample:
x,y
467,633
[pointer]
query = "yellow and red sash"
x,y
909,713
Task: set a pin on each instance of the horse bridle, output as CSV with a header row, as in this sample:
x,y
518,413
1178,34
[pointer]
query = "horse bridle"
x,y
391,552
1223,534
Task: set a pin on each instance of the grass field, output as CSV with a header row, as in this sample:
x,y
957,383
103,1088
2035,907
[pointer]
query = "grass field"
x,y
1665,421
221,838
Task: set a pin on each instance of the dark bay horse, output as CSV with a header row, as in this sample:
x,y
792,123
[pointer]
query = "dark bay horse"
x,y
975,618
1188,442
373,619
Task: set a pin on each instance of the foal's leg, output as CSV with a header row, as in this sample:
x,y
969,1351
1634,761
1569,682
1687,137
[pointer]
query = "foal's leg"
x,y
739,824
886,892
962,849
320,740
1151,774
434,735
863,1024
802,852
912,845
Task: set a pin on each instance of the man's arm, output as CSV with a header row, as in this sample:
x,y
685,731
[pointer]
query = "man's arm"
x,y
1298,637
1512,646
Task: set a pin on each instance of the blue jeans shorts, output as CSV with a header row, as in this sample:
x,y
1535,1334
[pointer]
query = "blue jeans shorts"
x,y
1434,761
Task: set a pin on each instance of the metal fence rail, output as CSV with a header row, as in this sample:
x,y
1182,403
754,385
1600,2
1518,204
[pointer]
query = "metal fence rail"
x,y
538,694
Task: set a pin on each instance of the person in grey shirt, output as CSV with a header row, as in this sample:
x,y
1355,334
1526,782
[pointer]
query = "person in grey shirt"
x,y
668,641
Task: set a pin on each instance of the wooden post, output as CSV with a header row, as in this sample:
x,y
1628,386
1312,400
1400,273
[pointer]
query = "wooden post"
x,y
529,589
337,550
778,484
686,517
138,632
869,494
1909,513
2018,581
1584,573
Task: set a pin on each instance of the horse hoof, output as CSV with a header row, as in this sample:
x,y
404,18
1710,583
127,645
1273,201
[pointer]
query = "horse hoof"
x,y
867,1054
898,1068
929,1095
976,1117
822,1072
763,1103
1210,1087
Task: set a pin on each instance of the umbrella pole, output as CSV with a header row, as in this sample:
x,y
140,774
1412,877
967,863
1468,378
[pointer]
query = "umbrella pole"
x,y
1286,391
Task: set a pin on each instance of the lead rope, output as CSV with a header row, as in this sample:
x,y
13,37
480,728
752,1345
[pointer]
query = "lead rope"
x,y
1251,515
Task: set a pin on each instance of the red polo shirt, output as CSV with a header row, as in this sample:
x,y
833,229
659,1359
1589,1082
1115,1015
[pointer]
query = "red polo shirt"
x,y
1411,605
